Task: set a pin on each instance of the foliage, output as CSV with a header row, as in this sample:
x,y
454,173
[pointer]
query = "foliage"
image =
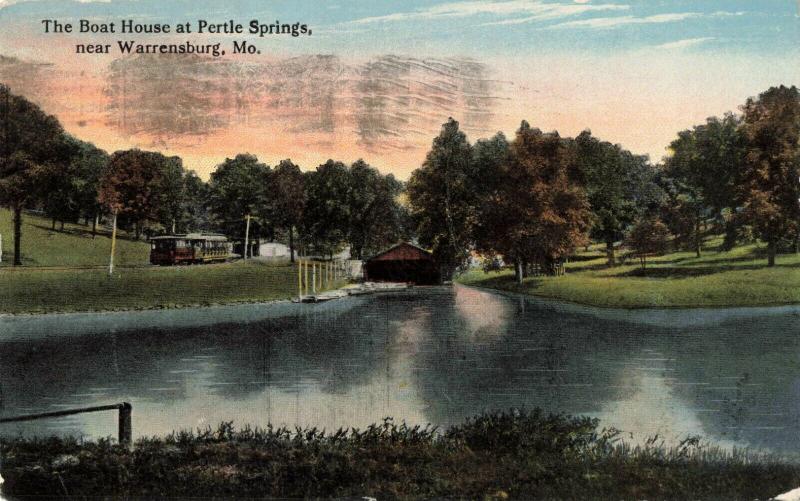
x,y
771,178
539,213
619,187
288,199
33,145
677,279
194,211
375,216
327,214
138,185
237,189
706,166
497,455
443,198
647,238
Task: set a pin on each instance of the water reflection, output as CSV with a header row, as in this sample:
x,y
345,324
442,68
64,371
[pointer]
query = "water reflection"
x,y
433,355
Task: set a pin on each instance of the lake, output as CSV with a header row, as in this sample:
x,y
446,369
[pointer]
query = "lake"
x,y
428,355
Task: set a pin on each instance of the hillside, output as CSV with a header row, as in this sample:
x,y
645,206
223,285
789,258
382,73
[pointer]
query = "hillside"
x,y
72,247
739,277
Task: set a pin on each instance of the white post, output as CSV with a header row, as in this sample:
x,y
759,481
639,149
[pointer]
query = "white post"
x,y
313,278
113,244
1,248
246,238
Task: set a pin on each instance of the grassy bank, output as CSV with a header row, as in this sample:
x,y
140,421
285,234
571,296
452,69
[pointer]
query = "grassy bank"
x,y
738,277
65,271
71,247
62,290
494,456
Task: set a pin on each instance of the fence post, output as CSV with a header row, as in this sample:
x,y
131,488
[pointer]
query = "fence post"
x,y
125,423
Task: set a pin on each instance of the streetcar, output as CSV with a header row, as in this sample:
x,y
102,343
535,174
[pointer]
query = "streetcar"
x,y
192,248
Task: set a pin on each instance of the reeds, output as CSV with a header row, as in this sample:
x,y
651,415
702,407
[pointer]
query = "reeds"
x,y
501,454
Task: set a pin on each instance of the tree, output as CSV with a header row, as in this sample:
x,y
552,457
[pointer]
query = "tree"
x,y
33,142
326,216
132,186
237,190
170,211
374,215
491,159
648,237
194,213
288,197
615,187
538,211
684,213
771,177
443,199
87,168
706,166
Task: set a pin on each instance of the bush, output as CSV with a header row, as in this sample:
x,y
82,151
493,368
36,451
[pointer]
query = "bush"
x,y
496,455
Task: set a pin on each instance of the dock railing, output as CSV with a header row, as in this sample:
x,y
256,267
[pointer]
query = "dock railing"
x,y
125,424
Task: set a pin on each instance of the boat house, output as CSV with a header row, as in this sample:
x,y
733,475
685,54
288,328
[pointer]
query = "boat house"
x,y
403,263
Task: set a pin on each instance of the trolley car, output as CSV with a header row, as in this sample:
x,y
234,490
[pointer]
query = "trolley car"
x,y
194,248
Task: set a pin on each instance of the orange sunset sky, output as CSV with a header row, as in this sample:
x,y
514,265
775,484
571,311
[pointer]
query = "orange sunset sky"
x,y
377,81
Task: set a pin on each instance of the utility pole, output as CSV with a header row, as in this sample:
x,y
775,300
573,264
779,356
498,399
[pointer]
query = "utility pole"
x,y
113,244
246,237
306,272
300,280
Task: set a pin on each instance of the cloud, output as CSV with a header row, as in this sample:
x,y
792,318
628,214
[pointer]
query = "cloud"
x,y
532,9
616,22
685,43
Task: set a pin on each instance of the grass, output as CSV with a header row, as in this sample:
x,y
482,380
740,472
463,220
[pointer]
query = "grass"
x,y
738,277
71,247
493,456
64,290
65,271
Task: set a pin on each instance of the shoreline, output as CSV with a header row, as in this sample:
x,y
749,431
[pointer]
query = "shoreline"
x,y
671,307
65,324
476,285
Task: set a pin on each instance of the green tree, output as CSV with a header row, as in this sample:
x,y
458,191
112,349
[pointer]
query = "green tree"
x,y
326,216
87,167
615,187
375,218
648,237
288,197
491,158
33,144
771,177
237,190
195,213
443,198
172,187
706,164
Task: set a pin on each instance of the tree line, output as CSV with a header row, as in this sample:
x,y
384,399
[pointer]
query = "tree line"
x,y
322,211
530,201
535,199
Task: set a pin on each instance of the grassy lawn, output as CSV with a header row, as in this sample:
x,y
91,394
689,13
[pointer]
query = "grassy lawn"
x,y
519,455
66,271
74,246
739,277
43,290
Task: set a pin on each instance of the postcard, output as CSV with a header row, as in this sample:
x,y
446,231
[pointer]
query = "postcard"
x,y
479,249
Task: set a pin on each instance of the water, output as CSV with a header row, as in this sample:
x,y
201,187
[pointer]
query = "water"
x,y
435,355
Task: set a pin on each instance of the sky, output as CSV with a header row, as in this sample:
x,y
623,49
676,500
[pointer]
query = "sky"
x,y
375,80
